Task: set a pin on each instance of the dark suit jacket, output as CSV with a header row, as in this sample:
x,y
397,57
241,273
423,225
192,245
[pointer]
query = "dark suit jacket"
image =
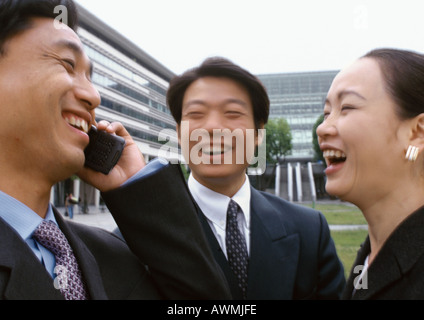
x,y
397,272
170,258
292,255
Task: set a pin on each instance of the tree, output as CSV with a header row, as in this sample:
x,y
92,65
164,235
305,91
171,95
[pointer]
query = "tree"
x,y
278,143
278,140
318,153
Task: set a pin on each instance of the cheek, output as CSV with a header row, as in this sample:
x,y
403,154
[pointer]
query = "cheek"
x,y
373,158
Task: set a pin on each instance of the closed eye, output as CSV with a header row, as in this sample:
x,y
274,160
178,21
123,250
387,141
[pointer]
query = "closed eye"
x,y
194,114
69,63
326,113
346,108
234,113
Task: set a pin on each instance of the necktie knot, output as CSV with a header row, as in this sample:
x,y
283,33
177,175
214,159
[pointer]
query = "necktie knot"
x,y
69,277
52,238
232,211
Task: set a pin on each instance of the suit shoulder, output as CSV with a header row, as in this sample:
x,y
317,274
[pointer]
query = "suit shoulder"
x,y
97,237
123,274
108,248
282,205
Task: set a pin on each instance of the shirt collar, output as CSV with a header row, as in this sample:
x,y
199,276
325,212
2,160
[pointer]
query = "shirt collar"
x,y
20,217
214,205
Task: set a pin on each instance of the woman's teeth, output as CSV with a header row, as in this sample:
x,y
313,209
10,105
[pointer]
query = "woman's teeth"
x,y
334,154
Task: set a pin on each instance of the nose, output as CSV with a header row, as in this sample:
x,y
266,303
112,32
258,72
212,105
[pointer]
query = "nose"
x,y
87,93
213,121
326,128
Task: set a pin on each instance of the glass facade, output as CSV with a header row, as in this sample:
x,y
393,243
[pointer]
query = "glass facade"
x,y
299,98
132,86
130,93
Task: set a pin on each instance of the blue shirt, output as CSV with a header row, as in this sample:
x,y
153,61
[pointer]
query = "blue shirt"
x,y
24,220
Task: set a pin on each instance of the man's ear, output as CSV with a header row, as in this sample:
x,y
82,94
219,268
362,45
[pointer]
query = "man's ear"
x,y
260,133
177,127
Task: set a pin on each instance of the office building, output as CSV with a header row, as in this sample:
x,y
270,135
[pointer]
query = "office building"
x,y
132,86
299,98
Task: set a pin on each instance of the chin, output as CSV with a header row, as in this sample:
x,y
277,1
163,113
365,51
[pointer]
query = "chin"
x,y
214,172
334,190
340,192
76,163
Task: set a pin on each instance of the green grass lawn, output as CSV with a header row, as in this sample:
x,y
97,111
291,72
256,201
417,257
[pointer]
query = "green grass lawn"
x,y
347,244
340,213
347,241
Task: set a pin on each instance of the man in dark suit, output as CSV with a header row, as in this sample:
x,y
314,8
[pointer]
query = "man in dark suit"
x,y
44,84
267,247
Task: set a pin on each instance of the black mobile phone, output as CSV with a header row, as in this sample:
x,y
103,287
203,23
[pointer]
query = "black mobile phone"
x,y
103,150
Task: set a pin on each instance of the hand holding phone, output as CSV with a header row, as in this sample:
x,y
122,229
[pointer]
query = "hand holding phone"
x,y
103,150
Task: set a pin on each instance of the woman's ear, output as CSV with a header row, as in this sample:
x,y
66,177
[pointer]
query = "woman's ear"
x,y
417,132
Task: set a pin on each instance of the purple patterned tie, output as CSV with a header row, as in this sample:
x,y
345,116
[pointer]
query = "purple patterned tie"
x,y
69,277
236,247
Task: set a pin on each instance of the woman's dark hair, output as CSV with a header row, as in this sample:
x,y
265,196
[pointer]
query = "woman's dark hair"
x,y
15,15
403,72
220,68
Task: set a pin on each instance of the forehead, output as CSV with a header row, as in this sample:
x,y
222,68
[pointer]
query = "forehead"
x,y
43,34
363,76
46,28
216,88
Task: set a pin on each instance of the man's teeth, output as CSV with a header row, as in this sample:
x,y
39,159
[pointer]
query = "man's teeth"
x,y
334,154
78,123
215,150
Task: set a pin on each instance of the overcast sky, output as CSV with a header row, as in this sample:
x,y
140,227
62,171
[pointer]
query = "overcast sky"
x,y
264,36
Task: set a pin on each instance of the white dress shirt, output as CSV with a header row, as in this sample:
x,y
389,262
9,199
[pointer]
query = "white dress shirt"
x,y
214,206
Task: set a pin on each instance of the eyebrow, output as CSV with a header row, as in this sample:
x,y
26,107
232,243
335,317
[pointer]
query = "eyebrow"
x,y
343,93
76,49
346,92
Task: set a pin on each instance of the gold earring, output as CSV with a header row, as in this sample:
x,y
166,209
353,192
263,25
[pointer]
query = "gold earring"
x,y
412,153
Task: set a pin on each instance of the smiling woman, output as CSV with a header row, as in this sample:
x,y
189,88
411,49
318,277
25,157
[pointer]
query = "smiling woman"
x,y
372,138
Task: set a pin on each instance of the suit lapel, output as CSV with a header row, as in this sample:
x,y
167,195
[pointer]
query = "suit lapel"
x,y
27,279
22,275
220,257
86,260
274,254
378,275
397,256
